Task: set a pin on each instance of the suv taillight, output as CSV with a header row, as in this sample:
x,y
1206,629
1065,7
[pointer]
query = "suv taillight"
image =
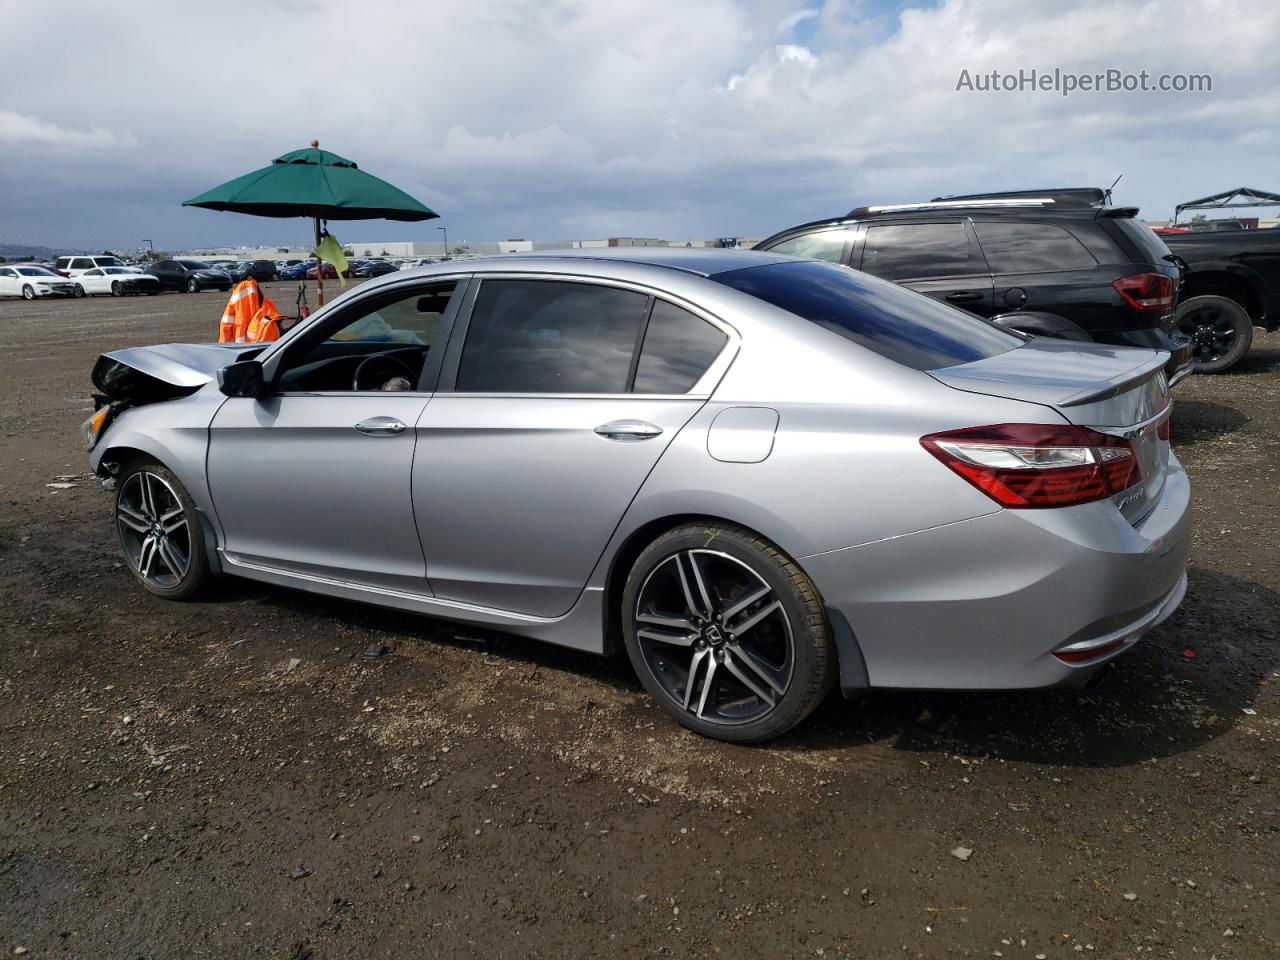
x,y
1147,291
1038,465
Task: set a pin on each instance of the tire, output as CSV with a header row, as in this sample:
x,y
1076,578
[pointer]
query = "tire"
x,y
193,285
80,291
115,289
702,667
175,565
28,293
1221,332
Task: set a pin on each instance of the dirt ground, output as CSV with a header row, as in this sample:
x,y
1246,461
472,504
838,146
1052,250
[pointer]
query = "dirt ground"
x,y
230,779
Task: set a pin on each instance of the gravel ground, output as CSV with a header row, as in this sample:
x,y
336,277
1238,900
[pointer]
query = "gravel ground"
x,y
229,778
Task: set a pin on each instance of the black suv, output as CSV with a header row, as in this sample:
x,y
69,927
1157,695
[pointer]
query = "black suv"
x,y
1056,263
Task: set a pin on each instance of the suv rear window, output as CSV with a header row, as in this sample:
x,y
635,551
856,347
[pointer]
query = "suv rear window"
x,y
1150,246
895,322
1031,248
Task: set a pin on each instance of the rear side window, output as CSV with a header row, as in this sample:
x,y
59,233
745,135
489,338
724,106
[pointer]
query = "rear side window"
x,y
62,263
81,263
919,251
824,245
1150,246
550,336
1032,248
894,322
678,348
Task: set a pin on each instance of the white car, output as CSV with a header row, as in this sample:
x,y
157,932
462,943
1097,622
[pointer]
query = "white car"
x,y
29,281
74,266
117,281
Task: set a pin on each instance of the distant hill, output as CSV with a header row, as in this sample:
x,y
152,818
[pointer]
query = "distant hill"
x,y
13,251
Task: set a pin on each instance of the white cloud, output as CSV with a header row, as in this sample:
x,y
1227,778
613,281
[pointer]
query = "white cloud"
x,y
18,128
793,20
664,118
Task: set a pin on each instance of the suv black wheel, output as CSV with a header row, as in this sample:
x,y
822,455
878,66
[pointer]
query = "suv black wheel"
x,y
1220,331
160,531
727,633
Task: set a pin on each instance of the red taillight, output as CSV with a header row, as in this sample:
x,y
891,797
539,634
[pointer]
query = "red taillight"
x,y
1147,291
1038,465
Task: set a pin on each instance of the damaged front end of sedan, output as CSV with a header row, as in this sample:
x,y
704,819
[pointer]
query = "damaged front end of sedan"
x,y
140,376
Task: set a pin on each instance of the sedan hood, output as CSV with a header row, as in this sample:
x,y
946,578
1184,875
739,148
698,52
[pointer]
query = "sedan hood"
x,y
148,374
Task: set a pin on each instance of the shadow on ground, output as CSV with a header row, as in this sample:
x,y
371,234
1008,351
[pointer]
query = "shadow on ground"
x,y
1183,685
1195,421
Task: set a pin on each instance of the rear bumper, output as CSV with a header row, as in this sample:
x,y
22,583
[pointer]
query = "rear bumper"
x,y
982,604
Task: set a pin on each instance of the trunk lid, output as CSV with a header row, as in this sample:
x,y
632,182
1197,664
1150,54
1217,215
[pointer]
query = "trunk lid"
x,y
1114,390
151,374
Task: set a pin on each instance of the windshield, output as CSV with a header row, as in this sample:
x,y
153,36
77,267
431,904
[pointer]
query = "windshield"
x,y
195,265
36,272
896,323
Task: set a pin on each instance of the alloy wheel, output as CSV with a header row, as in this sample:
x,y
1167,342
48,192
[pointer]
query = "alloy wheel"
x,y
1212,333
154,529
715,636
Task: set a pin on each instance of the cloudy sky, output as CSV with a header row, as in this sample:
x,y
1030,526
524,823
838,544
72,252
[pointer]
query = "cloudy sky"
x,y
565,119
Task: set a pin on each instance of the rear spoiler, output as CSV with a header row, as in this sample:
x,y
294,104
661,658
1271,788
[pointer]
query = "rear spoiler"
x,y
1118,385
1118,213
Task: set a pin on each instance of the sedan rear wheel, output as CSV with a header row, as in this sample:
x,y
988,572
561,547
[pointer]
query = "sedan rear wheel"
x,y
79,290
160,531
727,633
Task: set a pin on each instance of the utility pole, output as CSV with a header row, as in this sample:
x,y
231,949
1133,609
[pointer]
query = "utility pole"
x,y
153,248
446,240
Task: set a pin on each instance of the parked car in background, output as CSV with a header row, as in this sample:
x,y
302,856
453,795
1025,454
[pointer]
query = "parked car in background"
x,y
1232,284
30,281
237,270
1056,263
377,268
994,511
117,281
262,270
189,276
330,272
296,271
73,266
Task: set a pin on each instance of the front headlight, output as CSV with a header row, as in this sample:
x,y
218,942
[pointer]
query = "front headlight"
x,y
93,426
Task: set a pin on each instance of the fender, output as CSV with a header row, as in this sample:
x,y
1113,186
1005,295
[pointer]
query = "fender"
x,y
1042,325
1252,279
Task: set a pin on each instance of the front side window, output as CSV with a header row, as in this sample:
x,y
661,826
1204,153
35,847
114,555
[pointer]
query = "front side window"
x,y
824,245
550,336
919,251
381,344
897,323
678,348
95,272
1032,248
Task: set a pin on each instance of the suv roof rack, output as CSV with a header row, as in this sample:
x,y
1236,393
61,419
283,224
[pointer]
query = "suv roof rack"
x,y
1067,196
954,202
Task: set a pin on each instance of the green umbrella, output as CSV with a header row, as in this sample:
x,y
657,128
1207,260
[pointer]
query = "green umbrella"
x,y
317,184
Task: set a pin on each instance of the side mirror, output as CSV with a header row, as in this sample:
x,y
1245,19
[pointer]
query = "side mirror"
x,y
243,379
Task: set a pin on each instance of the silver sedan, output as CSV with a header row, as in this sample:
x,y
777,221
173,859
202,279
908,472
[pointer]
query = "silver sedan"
x,y
761,476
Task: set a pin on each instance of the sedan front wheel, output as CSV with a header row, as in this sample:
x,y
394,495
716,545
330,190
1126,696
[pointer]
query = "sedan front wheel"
x,y
193,286
727,633
160,531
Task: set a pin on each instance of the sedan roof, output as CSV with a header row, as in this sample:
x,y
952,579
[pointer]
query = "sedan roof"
x,y
703,262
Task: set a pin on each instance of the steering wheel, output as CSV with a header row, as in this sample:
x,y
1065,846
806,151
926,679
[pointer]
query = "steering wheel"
x,y
395,366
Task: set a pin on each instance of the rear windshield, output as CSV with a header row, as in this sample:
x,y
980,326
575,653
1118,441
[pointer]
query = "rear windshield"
x,y
896,323
1150,246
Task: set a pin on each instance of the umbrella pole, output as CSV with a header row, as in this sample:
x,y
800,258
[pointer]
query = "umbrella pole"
x,y
319,269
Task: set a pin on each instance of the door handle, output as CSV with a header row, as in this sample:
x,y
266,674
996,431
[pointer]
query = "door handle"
x,y
381,427
628,431
964,296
